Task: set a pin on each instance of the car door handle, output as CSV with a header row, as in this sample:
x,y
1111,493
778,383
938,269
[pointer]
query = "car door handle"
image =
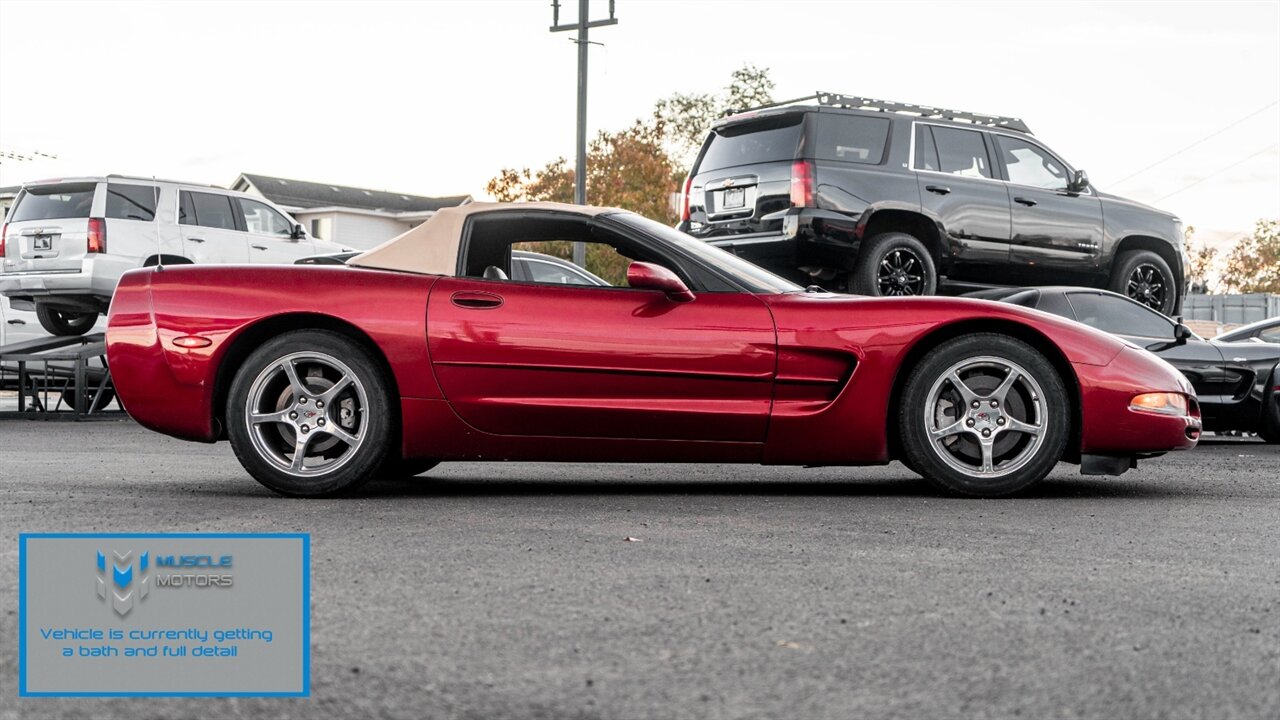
x,y
1025,201
476,300
940,189
196,240
258,247
17,322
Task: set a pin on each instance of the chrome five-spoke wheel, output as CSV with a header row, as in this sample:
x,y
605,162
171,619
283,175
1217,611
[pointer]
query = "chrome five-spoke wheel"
x,y
985,416
310,413
306,413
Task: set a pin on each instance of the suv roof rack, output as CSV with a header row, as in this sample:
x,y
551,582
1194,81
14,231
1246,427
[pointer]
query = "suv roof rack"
x,y
854,102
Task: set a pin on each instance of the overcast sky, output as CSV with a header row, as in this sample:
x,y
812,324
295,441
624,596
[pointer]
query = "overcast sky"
x,y
435,97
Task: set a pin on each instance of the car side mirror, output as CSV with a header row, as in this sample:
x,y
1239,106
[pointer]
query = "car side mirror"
x,y
1079,182
298,233
647,276
1181,334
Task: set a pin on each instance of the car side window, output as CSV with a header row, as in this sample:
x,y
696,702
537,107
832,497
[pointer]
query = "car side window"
x,y
1120,316
186,211
541,271
1030,165
261,219
1269,335
961,152
926,152
131,202
490,239
851,138
1056,304
212,211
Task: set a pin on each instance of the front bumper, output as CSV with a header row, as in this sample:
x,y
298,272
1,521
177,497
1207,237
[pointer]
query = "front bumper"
x,y
1108,427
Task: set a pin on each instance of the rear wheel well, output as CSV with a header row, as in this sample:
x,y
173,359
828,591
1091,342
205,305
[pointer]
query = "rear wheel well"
x,y
252,337
914,224
1155,245
167,260
1024,333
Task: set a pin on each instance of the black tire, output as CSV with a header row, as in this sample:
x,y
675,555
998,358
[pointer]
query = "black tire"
x,y
364,410
1269,433
1144,276
405,469
1269,428
955,462
894,264
65,323
69,399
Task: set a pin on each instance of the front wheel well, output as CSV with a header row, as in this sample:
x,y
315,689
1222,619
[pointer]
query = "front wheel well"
x,y
1026,334
1155,245
260,332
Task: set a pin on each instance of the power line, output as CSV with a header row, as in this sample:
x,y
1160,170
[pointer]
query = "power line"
x,y
1218,172
1202,140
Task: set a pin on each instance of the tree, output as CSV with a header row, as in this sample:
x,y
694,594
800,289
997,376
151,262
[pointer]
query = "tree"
x,y
1253,265
639,168
627,169
1200,267
686,117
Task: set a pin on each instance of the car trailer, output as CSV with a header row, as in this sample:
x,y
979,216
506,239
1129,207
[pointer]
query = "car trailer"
x,y
56,378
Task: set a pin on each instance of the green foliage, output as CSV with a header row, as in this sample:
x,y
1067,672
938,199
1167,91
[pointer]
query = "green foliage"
x,y
1202,258
1253,265
638,168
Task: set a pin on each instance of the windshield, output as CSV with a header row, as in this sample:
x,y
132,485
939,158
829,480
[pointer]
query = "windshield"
x,y
752,277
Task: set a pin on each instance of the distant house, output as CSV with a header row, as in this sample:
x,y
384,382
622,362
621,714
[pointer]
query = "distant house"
x,y
352,216
7,195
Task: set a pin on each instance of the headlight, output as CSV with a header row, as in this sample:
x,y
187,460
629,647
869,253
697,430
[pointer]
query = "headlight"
x,y
1164,403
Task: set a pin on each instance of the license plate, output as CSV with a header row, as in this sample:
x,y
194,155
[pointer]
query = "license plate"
x,y
42,242
734,198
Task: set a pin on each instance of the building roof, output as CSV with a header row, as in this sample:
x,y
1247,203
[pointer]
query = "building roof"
x,y
10,190
302,194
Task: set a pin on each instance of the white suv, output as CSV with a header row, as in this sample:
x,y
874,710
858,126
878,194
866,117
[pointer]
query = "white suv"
x,y
66,243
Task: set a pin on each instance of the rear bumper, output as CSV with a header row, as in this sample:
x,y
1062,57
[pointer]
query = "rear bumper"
x,y
154,394
97,277
797,238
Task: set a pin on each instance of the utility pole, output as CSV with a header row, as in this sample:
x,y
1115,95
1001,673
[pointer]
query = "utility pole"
x,y
583,25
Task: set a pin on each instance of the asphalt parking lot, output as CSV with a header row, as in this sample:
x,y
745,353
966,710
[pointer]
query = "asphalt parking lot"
x,y
496,591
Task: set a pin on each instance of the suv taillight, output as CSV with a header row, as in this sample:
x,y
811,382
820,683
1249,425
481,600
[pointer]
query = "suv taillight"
x,y
4,233
802,183
684,199
97,236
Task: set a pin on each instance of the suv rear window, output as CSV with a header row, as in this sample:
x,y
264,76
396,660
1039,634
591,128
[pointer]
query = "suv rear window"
x,y
131,202
850,138
762,141
54,202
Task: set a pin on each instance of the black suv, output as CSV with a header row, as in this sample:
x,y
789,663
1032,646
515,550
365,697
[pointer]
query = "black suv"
x,y
883,198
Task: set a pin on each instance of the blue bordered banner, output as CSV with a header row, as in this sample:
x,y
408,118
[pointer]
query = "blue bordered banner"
x,y
164,615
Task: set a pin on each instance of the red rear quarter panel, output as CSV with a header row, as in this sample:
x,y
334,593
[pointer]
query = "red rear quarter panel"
x,y
171,389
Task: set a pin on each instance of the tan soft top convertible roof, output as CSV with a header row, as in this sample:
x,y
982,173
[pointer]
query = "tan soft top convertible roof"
x,y
432,247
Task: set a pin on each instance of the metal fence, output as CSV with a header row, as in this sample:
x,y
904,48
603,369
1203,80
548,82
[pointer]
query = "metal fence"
x,y
1231,309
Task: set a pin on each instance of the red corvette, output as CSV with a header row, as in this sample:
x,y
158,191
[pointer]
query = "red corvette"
x,y
425,349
